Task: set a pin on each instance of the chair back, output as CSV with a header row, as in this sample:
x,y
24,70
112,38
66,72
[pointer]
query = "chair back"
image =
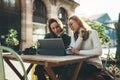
x,y
2,70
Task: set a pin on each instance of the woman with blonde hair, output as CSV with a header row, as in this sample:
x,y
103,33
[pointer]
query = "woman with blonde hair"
x,y
84,41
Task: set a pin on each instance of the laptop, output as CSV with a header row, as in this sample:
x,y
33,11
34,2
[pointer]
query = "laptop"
x,y
52,47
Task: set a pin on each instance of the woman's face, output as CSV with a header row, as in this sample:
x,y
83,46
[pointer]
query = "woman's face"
x,y
55,28
73,25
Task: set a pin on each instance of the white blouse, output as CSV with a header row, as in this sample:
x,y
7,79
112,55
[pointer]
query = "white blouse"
x,y
91,46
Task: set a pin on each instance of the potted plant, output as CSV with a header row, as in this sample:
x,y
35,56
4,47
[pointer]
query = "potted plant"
x,y
11,39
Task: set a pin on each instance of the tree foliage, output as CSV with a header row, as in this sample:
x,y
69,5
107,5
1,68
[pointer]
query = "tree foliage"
x,y
101,32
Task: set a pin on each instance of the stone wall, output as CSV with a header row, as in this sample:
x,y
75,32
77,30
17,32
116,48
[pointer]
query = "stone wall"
x,y
52,7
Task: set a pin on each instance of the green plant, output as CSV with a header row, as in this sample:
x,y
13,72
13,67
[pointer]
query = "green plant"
x,y
11,39
104,39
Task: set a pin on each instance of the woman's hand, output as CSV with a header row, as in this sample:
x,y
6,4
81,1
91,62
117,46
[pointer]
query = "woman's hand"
x,y
74,51
82,32
62,32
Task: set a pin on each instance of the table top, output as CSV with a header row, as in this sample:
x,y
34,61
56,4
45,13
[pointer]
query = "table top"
x,y
50,59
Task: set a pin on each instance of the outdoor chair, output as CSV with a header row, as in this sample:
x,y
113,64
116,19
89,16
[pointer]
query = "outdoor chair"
x,y
2,71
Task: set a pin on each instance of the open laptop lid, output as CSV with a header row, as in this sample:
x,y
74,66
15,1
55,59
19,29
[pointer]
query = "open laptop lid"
x,y
51,46
51,43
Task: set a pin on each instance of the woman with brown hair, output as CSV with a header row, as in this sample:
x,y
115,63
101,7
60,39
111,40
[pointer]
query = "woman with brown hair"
x,y
56,30
84,41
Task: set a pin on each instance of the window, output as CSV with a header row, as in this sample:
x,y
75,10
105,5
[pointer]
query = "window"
x,y
12,3
39,13
39,20
9,4
6,3
63,16
38,31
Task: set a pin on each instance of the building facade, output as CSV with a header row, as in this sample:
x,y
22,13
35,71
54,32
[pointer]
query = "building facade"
x,y
29,17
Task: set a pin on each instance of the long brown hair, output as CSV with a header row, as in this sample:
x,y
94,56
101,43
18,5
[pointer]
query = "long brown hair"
x,y
83,25
52,20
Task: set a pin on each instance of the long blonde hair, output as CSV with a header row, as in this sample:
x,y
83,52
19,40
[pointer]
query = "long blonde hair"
x,y
80,22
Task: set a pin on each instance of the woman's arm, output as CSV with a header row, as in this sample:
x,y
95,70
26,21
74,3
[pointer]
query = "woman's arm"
x,y
66,40
97,50
76,44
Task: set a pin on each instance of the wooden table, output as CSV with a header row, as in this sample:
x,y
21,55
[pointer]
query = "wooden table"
x,y
48,62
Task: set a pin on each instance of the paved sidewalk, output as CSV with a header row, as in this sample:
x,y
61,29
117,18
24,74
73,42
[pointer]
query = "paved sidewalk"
x,y
10,75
